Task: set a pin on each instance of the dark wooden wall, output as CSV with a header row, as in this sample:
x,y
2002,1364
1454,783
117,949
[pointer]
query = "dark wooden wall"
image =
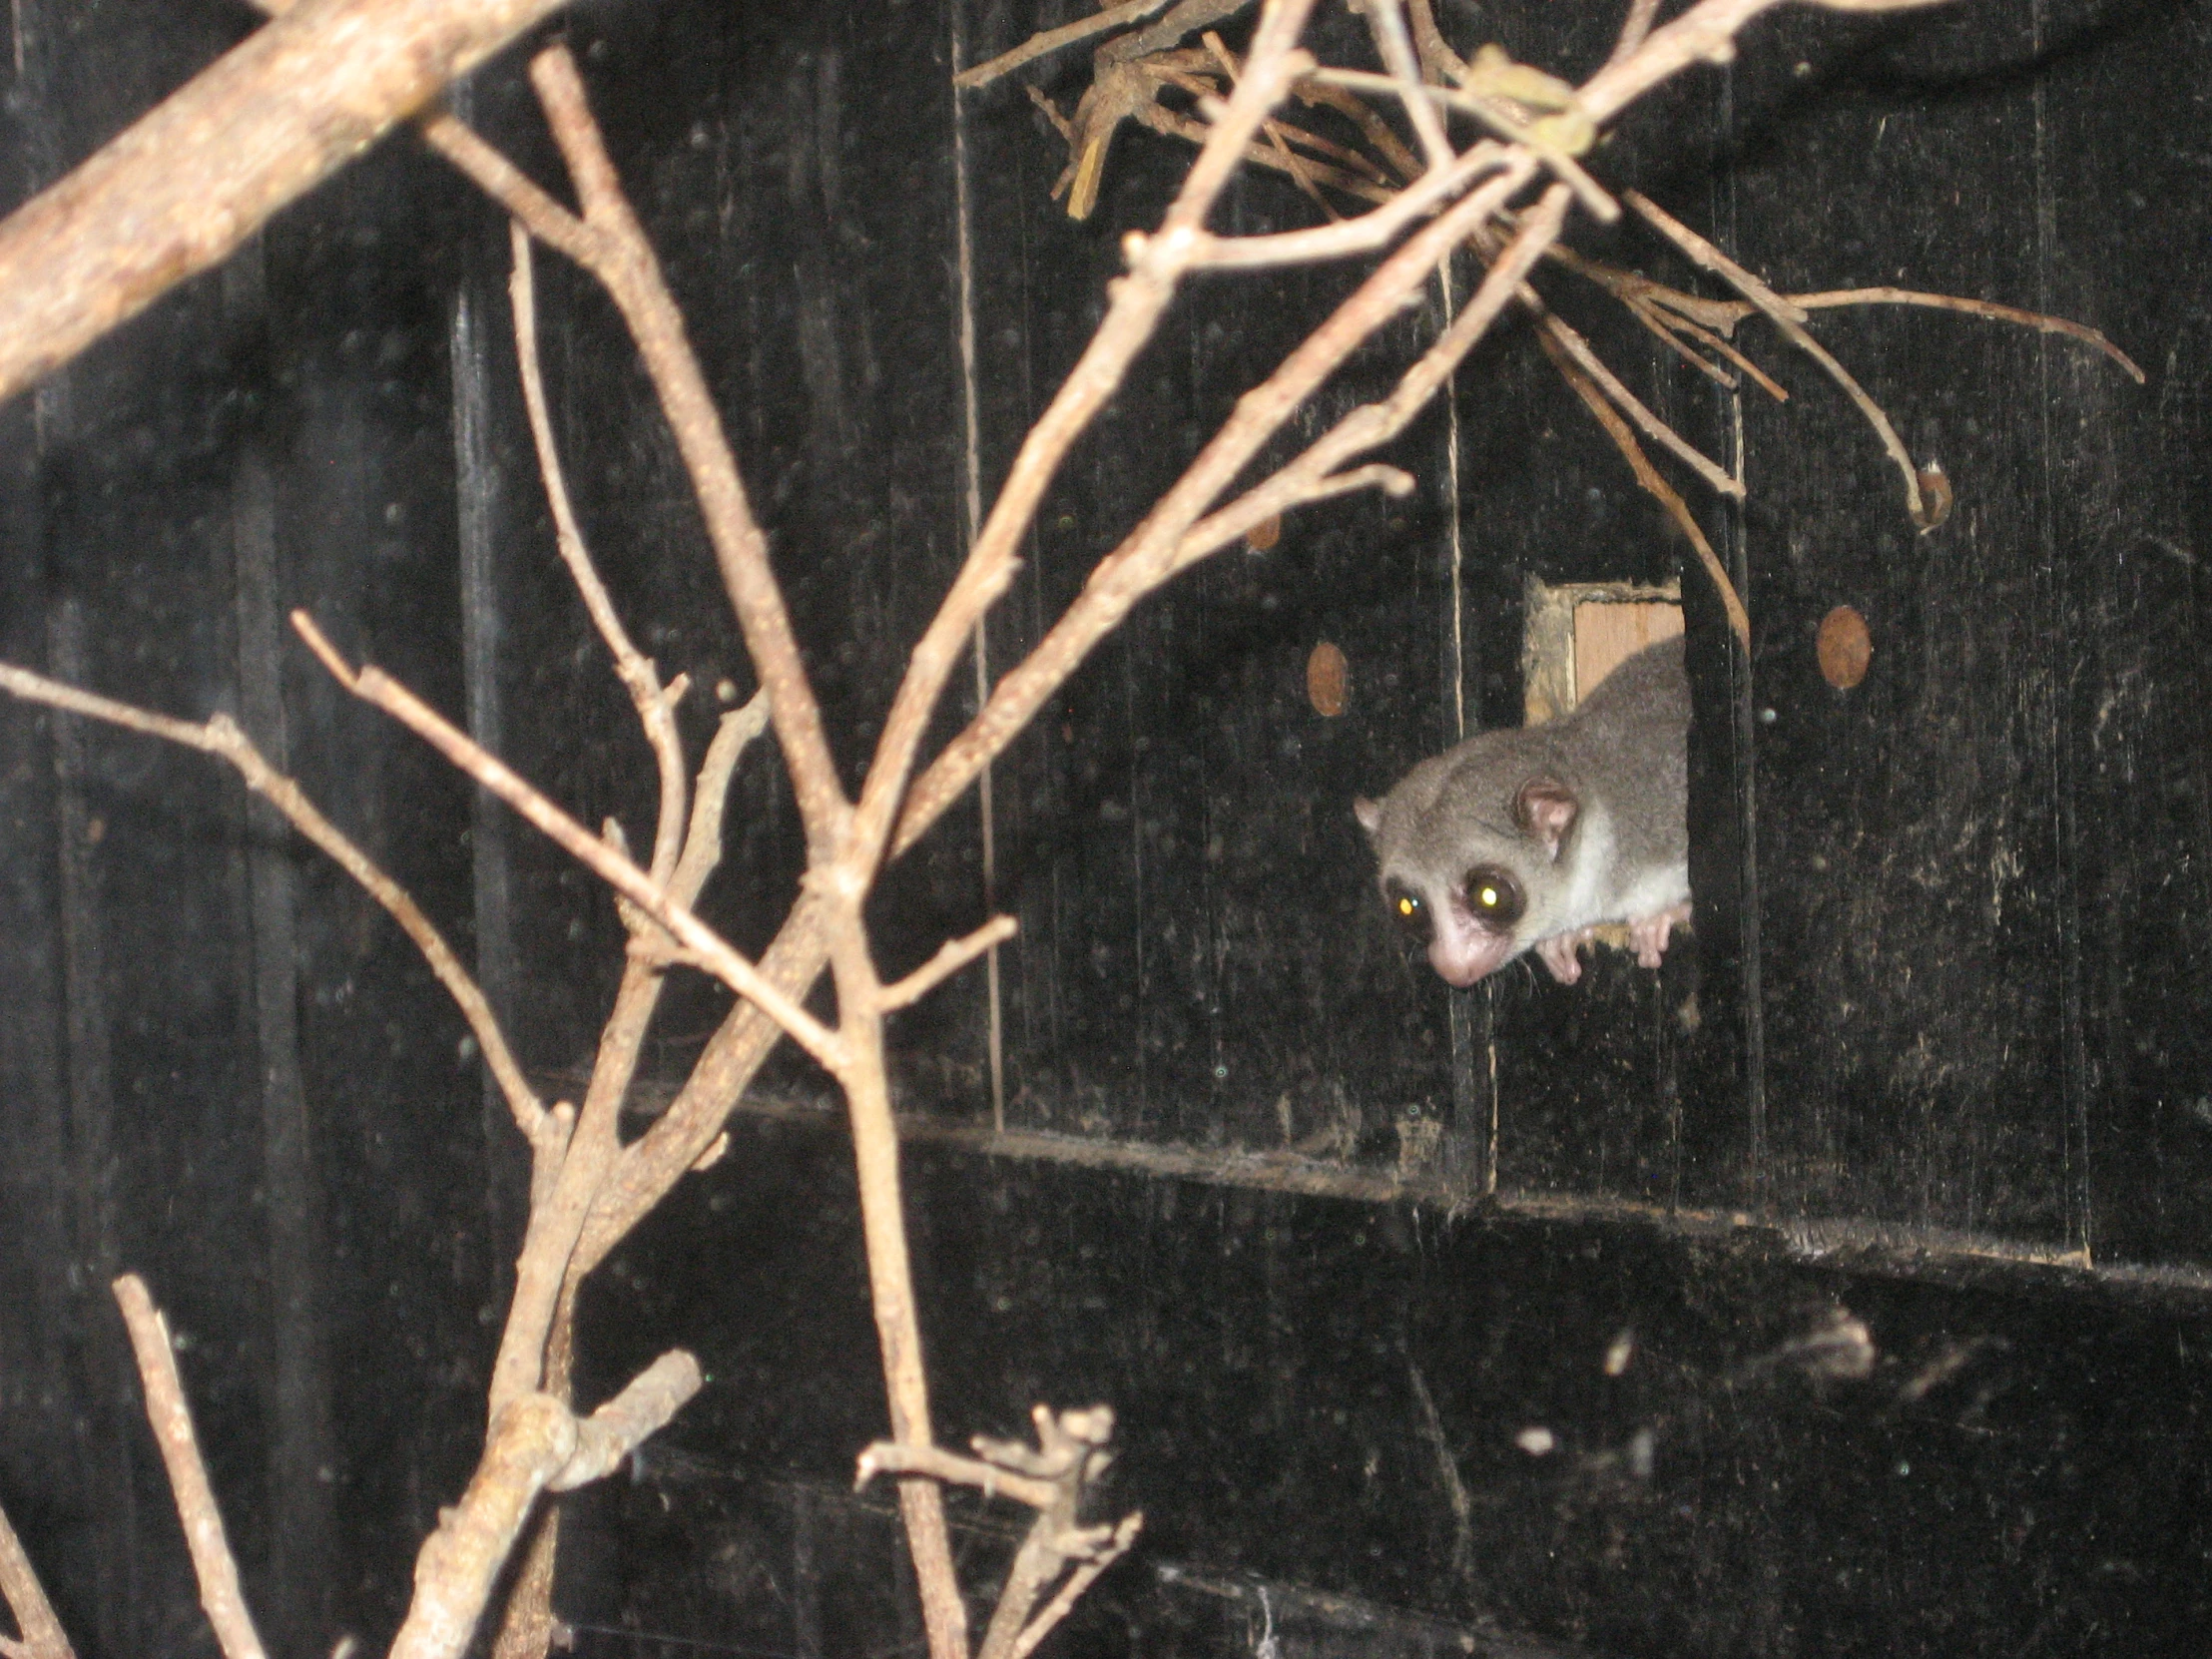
x,y
1942,1019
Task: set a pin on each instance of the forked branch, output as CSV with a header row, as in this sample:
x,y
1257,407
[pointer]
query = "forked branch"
x,y
219,735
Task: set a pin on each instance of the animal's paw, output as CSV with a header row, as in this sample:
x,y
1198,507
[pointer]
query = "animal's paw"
x,y
1559,953
1647,935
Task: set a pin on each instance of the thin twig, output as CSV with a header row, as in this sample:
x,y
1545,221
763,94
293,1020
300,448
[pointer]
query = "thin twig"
x,y
1185,19
1650,480
702,841
891,1457
212,1560
2038,320
1317,94
1170,124
1438,62
222,738
1635,29
639,677
535,1442
1058,1608
1668,331
614,249
42,1634
1790,320
1355,235
1275,133
1157,266
1051,40
1312,474
1149,554
1587,190
1388,25
951,957
376,688
1578,348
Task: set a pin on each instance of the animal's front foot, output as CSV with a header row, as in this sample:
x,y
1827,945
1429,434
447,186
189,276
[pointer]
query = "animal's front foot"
x,y
1559,953
1647,935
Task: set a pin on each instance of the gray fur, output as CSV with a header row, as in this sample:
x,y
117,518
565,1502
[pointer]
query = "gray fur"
x,y
1622,757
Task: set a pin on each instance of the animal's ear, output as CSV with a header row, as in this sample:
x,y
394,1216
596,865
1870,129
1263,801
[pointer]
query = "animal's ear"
x,y
1546,808
1369,813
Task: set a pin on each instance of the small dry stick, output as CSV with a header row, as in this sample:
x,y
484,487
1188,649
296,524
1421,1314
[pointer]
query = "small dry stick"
x,y
43,1636
1438,62
1103,1555
1311,475
1578,351
656,708
1387,24
1587,190
2038,320
1649,478
1148,555
1052,1478
1051,40
1790,320
378,688
951,957
211,1561
1642,14
220,737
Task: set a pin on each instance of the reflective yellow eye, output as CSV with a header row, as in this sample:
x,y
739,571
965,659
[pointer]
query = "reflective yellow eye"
x,y
1404,906
1487,899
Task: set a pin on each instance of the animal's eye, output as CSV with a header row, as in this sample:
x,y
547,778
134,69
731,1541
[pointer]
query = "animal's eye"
x,y
1493,897
1409,908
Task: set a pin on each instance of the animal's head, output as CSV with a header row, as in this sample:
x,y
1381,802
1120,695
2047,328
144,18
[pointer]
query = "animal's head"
x,y
1469,885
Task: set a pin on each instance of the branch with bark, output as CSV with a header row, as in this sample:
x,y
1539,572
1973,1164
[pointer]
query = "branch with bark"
x,y
1550,121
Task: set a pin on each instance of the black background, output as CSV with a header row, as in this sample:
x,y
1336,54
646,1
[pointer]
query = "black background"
x,y
1936,1053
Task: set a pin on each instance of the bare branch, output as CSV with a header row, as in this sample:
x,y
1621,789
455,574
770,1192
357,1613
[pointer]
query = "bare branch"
x,y
657,1160
1186,19
211,1561
890,1457
633,1416
1051,40
1355,235
374,687
1634,30
1492,114
1649,478
1152,551
1169,122
1790,320
702,841
1103,1556
534,1443
951,957
1578,348
656,708
222,738
1387,24
43,1636
1438,62
1157,266
1309,476
178,189
2038,320
617,253
1706,33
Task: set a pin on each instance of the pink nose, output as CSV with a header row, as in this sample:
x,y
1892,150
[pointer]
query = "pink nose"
x,y
1462,959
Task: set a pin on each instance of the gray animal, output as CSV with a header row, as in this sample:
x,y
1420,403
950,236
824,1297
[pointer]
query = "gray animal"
x,y
1537,835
